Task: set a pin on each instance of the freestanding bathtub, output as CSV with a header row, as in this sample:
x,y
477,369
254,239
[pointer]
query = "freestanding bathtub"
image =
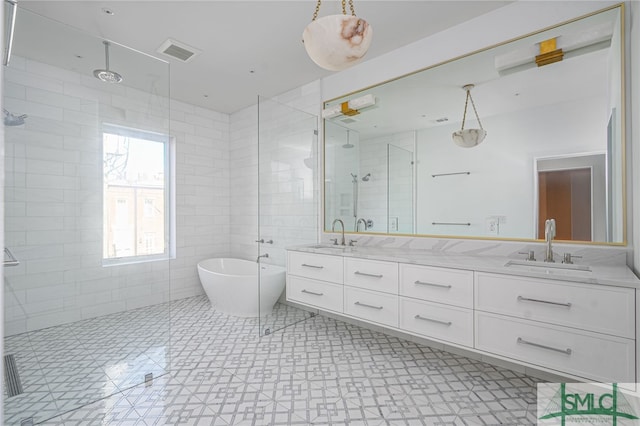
x,y
232,285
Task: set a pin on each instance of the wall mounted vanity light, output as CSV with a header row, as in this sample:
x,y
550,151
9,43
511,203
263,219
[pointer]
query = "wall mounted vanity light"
x,y
349,108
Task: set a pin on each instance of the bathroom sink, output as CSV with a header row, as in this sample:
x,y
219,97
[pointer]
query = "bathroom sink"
x,y
328,247
549,268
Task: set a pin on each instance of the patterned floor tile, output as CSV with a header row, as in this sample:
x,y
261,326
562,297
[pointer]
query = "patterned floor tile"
x,y
344,412
214,369
114,409
167,401
37,404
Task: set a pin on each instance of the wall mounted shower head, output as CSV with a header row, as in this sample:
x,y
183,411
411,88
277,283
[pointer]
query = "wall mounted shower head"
x,y
12,120
106,74
366,177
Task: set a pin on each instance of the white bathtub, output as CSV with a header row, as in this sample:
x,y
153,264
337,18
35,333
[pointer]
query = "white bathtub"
x,y
232,285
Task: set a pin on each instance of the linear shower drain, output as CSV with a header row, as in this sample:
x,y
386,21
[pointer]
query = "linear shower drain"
x,y
11,376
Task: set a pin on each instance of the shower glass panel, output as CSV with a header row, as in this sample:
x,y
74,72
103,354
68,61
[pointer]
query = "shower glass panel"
x,y
400,190
288,199
87,218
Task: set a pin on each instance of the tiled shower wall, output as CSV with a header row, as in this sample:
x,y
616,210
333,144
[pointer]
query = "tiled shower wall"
x,y
243,166
54,197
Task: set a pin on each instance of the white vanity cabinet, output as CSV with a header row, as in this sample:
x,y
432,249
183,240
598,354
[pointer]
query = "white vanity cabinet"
x,y
437,303
371,290
315,280
583,330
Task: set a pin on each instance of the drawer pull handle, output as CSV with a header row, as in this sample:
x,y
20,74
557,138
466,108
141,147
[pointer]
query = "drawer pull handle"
x,y
432,284
368,306
568,304
447,323
368,275
312,292
306,265
538,345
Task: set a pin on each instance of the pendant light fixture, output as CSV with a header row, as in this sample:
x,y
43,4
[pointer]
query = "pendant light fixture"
x,y
468,138
336,42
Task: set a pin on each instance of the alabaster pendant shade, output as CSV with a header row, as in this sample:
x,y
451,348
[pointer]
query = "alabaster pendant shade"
x,y
336,42
468,138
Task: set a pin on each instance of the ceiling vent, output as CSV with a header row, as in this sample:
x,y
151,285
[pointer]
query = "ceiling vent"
x,y
177,50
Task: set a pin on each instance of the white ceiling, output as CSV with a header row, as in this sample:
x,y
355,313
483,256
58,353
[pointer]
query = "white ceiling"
x,y
235,37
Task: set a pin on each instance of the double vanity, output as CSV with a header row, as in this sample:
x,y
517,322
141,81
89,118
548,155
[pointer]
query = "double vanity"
x,y
571,320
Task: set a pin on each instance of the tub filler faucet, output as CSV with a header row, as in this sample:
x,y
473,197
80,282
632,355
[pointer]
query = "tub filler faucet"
x,y
262,255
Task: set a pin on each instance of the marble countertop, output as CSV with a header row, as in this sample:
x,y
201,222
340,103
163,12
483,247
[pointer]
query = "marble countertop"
x,y
602,274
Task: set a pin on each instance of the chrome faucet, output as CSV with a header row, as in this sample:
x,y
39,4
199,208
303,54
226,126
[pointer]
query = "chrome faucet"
x,y
333,229
262,255
549,234
358,224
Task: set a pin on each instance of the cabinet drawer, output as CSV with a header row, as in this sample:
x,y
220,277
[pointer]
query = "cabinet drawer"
x,y
316,293
442,322
371,275
371,305
590,355
450,286
317,266
599,308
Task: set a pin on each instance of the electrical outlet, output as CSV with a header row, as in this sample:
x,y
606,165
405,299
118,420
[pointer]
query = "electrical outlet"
x,y
492,225
393,224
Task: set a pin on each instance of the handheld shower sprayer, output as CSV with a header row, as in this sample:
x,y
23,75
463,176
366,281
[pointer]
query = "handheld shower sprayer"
x,y
10,119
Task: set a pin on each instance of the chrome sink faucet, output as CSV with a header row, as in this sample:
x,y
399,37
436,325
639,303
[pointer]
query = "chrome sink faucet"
x,y
549,234
358,224
333,229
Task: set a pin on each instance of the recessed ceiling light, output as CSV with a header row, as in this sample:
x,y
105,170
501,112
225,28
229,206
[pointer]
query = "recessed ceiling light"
x,y
79,56
252,71
108,11
206,96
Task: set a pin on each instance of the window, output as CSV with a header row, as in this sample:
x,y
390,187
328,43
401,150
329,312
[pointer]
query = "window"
x,y
137,198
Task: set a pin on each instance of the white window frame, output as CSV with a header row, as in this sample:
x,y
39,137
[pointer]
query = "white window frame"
x,y
169,188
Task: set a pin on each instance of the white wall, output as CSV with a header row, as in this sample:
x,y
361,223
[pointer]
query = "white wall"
x,y
54,197
502,167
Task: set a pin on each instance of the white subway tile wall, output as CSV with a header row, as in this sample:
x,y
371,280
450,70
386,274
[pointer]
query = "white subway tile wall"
x,y
289,189
53,197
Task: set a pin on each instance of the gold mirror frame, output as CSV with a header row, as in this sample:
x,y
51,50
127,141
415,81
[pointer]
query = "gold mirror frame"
x,y
623,140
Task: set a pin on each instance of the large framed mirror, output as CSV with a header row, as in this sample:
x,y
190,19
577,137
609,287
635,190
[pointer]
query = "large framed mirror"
x,y
555,145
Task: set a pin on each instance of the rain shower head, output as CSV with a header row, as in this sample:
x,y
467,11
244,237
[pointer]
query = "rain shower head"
x,y
348,144
12,120
106,74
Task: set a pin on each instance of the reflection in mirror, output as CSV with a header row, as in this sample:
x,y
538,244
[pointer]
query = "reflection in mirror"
x,y
554,146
